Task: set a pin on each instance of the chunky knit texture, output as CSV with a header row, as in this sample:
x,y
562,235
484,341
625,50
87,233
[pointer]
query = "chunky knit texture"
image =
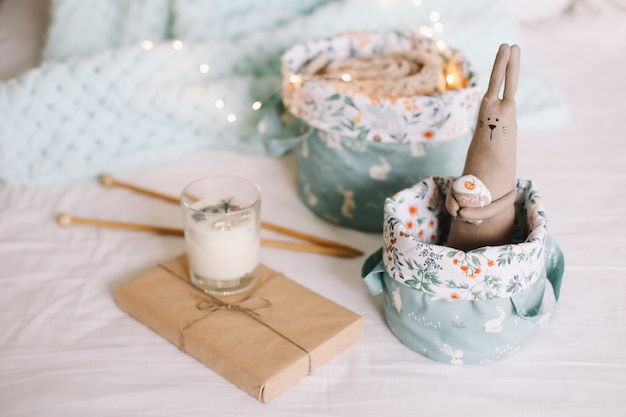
x,y
103,99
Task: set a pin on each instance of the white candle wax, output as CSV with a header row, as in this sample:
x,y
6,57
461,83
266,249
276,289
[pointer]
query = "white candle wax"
x,y
223,247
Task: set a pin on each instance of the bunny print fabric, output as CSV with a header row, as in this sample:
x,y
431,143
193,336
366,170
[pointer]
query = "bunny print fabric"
x,y
345,181
463,332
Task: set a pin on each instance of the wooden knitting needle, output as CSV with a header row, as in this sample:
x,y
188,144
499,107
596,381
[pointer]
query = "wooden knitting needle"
x,y
65,219
309,238
108,181
304,247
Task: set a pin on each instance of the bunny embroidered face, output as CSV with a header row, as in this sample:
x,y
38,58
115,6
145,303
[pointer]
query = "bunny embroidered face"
x,y
493,124
492,153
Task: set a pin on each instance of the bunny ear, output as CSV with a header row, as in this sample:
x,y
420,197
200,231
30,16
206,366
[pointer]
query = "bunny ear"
x,y
512,74
498,71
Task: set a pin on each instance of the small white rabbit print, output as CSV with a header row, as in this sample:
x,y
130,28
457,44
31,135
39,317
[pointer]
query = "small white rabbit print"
x,y
311,198
456,355
348,205
545,319
379,172
304,149
417,149
333,140
397,300
495,325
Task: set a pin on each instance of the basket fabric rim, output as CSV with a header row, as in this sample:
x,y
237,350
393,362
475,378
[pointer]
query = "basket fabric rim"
x,y
413,256
424,118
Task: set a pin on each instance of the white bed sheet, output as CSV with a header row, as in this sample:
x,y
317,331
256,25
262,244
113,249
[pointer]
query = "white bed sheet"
x,y
67,350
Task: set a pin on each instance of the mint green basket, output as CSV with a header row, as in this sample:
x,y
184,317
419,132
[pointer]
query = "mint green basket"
x,y
361,149
463,307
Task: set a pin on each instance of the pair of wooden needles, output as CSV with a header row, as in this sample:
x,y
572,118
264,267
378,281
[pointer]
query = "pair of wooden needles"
x,y
316,245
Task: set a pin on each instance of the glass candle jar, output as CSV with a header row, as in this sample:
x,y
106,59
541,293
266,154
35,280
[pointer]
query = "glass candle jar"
x,y
222,233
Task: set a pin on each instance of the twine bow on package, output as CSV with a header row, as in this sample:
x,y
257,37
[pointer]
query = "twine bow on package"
x,y
385,110
263,340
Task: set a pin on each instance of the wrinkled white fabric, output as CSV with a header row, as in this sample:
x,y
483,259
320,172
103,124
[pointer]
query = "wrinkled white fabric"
x,y
66,350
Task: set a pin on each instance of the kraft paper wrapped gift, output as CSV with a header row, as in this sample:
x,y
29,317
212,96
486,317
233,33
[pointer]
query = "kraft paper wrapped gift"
x,y
263,340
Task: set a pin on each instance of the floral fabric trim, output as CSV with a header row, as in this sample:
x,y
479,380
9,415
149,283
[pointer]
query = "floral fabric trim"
x,y
413,119
415,229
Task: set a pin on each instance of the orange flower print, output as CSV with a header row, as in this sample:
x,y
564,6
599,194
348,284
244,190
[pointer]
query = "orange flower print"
x,y
454,295
409,224
455,261
412,210
477,271
433,237
429,134
431,223
464,268
420,234
491,262
362,38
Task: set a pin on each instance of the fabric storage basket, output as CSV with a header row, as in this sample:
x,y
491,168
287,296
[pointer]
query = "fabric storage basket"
x,y
462,307
364,147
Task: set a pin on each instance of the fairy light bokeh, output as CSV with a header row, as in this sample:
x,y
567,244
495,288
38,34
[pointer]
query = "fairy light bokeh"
x,y
430,29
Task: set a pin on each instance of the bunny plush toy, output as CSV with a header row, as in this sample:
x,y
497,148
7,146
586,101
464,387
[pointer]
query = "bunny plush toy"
x,y
490,161
479,306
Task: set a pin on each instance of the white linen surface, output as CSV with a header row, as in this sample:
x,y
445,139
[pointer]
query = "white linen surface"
x,y
67,350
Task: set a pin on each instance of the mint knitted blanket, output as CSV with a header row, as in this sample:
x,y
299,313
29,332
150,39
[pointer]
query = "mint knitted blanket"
x,y
125,83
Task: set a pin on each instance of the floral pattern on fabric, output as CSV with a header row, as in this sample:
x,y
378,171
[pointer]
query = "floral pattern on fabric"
x,y
415,229
398,120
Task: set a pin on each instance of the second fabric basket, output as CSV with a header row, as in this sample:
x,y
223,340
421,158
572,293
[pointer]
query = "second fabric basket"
x,y
386,109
